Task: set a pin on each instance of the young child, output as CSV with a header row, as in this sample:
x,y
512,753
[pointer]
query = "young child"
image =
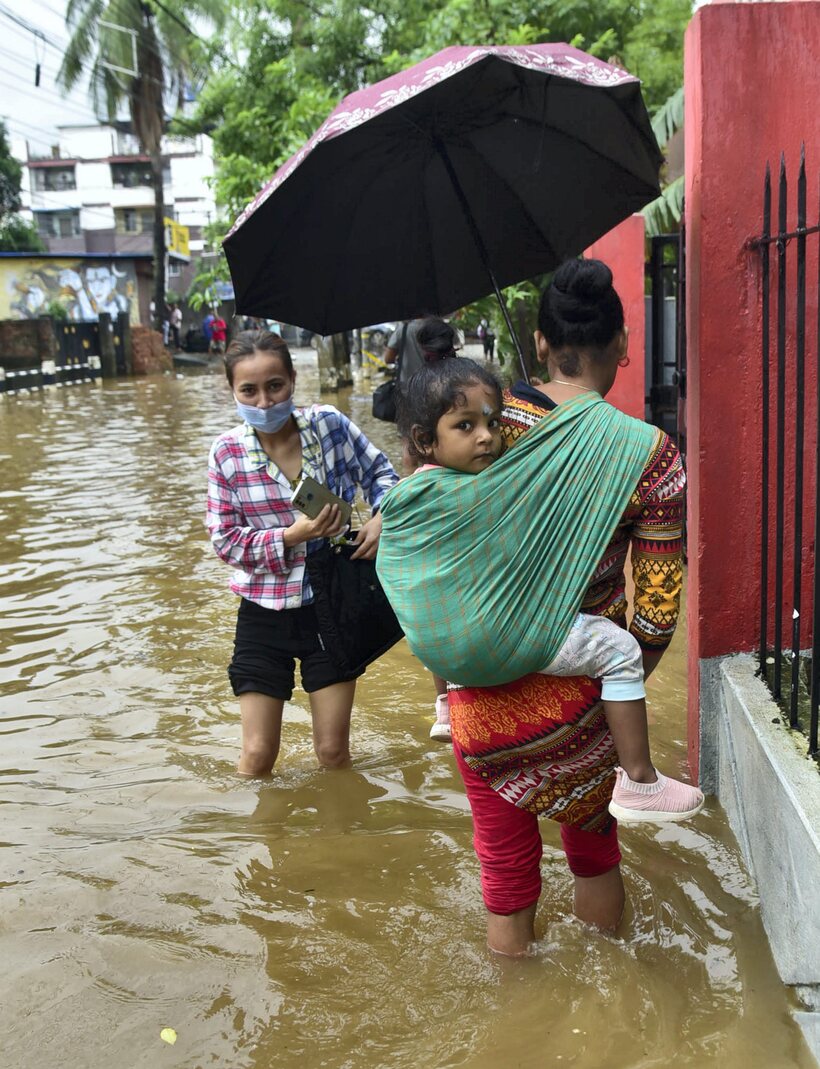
x,y
450,416
436,341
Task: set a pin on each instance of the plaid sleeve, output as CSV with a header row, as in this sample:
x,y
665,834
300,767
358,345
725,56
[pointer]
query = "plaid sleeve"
x,y
352,459
657,548
234,539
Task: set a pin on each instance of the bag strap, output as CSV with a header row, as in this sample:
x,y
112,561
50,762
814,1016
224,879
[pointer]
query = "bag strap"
x,y
401,350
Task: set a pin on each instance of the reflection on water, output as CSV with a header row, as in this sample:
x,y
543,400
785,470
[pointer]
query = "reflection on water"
x,y
323,919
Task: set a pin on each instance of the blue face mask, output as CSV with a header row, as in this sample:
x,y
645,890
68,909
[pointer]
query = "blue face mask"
x,y
270,420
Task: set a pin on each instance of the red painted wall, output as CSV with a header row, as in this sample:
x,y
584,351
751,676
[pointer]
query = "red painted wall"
x,y
752,82
622,249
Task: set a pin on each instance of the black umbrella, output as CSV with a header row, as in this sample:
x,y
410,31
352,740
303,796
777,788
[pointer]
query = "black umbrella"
x,y
475,169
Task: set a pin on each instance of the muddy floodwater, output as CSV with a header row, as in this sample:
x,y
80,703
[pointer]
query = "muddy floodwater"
x,y
319,919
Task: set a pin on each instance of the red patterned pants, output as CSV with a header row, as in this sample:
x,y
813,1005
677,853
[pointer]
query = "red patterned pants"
x,y
508,843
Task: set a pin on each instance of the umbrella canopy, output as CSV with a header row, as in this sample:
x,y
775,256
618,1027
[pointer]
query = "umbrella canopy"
x,y
507,158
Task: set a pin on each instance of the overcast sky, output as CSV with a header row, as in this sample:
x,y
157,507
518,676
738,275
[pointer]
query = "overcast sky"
x,y
33,113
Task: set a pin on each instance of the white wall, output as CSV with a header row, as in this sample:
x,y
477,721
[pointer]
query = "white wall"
x,y
188,196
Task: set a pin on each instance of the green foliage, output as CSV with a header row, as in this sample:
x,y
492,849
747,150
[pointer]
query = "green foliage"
x,y
663,215
668,119
56,308
299,59
653,49
10,175
16,235
209,271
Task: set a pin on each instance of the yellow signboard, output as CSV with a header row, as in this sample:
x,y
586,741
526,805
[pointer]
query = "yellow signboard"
x,y
176,239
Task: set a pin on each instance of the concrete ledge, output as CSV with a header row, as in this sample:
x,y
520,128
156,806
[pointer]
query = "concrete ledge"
x,y
770,790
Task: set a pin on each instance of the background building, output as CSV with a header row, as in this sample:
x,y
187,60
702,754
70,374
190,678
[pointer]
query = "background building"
x,y
92,195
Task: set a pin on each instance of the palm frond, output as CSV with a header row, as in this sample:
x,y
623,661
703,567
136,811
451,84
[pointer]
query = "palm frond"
x,y
668,119
83,20
663,214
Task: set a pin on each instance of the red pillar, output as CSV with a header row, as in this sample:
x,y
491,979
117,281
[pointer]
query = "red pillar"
x,y
752,82
623,250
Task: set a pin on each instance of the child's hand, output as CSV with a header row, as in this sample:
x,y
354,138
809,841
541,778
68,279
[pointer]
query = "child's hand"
x,y
327,524
367,539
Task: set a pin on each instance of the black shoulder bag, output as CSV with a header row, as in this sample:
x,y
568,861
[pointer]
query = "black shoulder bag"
x,y
384,396
356,622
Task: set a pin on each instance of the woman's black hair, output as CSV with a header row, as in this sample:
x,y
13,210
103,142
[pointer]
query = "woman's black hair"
x,y
433,390
580,309
436,339
247,342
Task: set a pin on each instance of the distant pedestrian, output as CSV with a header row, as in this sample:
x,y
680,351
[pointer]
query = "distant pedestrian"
x,y
176,324
207,322
219,334
411,351
486,336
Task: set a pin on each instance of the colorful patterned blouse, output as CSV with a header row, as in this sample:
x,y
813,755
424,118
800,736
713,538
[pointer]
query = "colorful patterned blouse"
x,y
652,524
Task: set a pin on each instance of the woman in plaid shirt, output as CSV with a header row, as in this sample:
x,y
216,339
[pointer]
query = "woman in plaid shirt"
x,y
252,471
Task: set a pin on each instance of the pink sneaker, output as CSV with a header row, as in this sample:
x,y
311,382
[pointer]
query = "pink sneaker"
x,y
662,802
440,731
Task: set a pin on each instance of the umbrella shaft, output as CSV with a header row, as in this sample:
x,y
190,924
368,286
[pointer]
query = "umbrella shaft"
x,y
482,250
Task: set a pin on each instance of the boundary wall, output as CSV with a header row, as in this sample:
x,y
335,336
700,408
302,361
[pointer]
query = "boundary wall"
x,y
752,82
623,249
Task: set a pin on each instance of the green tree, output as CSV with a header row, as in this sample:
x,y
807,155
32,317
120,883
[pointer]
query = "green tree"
x,y
16,235
139,55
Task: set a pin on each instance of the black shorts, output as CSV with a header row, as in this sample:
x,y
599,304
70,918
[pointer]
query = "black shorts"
x,y
268,643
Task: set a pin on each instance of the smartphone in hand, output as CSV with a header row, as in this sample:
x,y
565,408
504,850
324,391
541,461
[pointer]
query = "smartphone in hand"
x,y
311,497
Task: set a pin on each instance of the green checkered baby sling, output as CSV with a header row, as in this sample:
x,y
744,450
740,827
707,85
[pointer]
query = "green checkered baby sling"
x,y
486,572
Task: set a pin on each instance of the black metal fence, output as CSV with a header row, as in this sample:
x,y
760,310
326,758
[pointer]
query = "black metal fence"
x,y
793,673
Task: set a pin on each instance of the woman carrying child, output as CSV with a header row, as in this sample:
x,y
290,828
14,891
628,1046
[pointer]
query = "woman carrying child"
x,y
507,549
252,472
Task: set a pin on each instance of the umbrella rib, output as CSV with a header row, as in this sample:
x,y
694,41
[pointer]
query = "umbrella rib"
x,y
430,251
587,145
503,181
341,263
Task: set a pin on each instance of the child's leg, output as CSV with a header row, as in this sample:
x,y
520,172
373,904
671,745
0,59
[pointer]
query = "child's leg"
x,y
598,648
630,733
440,731
602,650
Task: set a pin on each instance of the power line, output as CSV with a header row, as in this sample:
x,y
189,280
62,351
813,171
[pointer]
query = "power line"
x,y
57,101
53,10
191,32
35,30
46,92
40,34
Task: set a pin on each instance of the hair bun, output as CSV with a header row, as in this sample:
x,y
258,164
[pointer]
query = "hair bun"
x,y
580,308
581,285
583,279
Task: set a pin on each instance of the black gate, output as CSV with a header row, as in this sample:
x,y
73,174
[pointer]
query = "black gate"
x,y
790,454
666,335
76,342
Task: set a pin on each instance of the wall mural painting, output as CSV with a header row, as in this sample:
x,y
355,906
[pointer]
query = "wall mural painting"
x,y
84,288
